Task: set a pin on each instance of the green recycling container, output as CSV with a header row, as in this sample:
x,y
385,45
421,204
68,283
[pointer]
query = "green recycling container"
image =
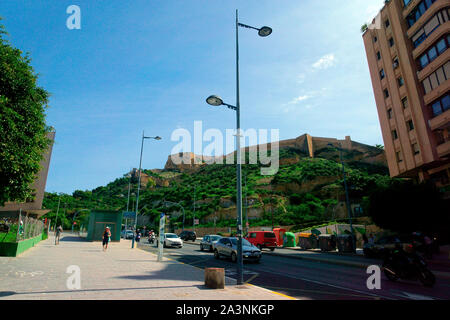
x,y
289,240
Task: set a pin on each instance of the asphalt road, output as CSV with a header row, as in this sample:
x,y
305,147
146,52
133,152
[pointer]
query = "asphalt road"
x,y
304,279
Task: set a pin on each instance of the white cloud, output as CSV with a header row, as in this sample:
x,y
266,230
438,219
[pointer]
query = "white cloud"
x,y
325,62
299,99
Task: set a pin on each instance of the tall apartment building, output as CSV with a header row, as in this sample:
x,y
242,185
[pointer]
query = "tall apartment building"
x,y
407,49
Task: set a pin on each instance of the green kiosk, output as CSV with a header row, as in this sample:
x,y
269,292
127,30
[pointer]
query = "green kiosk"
x,y
99,220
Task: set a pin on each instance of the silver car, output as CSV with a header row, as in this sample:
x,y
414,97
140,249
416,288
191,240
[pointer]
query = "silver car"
x,y
208,242
227,247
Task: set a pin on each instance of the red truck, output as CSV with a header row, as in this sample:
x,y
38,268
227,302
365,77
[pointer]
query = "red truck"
x,y
263,239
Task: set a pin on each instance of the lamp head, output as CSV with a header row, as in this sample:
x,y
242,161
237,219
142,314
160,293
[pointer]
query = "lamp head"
x,y
158,138
265,31
214,101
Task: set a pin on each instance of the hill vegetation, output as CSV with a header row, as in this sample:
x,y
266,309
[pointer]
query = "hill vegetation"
x,y
304,191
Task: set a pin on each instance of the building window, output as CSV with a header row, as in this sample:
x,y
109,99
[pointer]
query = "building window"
x,y
405,102
441,105
395,63
415,148
418,11
399,156
439,18
394,134
389,113
436,50
410,125
386,93
401,82
436,78
406,3
387,23
378,55
391,42
382,75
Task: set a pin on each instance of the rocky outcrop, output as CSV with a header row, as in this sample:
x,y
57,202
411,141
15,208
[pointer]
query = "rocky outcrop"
x,y
303,146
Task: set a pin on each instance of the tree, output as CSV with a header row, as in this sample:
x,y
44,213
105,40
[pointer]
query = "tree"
x,y
407,207
23,131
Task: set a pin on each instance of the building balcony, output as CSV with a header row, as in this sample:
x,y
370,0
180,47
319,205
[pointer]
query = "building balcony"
x,y
433,37
440,122
436,92
433,65
443,150
435,7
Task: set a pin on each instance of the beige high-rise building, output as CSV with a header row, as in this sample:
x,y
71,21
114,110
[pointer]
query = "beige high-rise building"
x,y
407,49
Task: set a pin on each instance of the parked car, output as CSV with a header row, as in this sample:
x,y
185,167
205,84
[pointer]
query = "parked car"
x,y
208,242
263,239
188,235
127,234
227,247
172,240
384,245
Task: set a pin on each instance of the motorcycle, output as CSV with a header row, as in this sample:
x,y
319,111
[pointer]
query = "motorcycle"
x,y
399,264
151,239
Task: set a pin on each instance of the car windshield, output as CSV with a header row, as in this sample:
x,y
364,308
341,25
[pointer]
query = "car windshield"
x,y
168,235
244,242
215,238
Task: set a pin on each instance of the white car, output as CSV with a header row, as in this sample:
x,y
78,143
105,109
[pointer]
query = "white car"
x,y
172,240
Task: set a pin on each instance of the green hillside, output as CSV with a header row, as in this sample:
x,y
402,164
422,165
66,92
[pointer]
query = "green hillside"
x,y
305,191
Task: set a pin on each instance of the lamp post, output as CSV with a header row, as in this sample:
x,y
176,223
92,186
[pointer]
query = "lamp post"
x,y
347,199
176,204
75,215
139,184
217,101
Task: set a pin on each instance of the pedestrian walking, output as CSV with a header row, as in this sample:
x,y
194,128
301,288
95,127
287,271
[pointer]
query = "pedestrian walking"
x,y
371,239
106,238
58,232
138,236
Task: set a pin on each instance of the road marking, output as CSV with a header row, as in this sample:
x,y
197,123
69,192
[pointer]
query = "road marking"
x,y
331,285
252,278
411,296
278,293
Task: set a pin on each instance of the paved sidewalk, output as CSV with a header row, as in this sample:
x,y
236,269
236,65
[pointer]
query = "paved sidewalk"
x,y
118,273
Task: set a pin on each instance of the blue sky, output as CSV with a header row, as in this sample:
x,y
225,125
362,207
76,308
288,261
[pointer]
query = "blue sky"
x,y
149,65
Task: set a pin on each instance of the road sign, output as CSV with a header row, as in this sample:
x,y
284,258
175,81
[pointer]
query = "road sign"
x,y
129,214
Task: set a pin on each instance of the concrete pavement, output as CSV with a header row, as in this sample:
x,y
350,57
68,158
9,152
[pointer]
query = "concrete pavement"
x,y
118,273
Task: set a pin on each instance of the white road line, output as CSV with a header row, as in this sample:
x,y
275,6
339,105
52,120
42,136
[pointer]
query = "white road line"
x,y
331,285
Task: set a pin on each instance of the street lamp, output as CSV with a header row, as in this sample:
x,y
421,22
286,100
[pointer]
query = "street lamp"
x,y
347,199
176,204
217,101
139,184
75,215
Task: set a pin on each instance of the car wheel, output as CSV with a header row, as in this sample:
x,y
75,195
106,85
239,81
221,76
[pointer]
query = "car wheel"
x,y
216,254
165,245
201,247
233,257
